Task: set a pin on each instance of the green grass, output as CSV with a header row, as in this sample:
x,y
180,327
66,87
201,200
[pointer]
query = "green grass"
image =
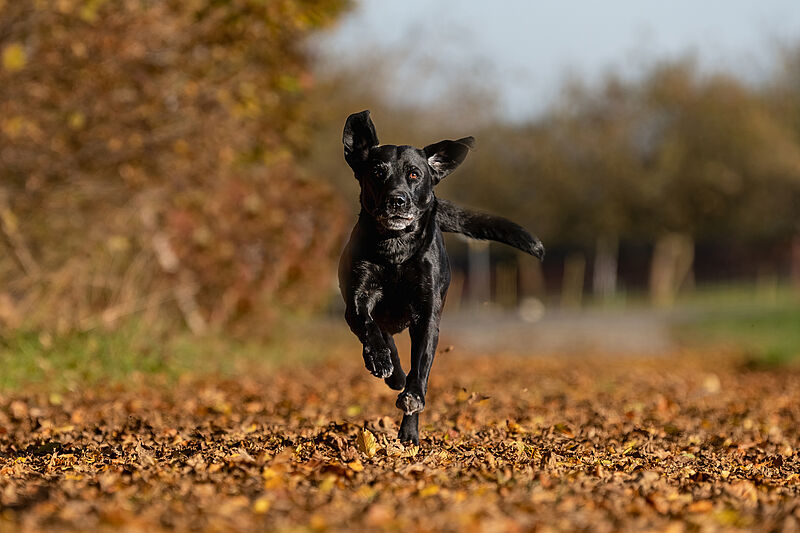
x,y
767,332
763,325
42,360
762,321
30,357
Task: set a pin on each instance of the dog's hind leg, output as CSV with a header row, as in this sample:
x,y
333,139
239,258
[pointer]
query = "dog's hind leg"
x,y
398,378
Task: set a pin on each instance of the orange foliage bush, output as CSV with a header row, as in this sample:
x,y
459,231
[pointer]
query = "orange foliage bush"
x,y
148,162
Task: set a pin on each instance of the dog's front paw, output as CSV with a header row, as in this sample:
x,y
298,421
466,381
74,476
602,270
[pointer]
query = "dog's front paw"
x,y
410,402
378,359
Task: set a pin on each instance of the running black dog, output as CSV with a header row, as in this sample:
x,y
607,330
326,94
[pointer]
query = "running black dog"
x,y
394,272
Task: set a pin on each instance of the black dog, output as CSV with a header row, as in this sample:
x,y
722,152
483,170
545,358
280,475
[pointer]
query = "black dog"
x,y
394,272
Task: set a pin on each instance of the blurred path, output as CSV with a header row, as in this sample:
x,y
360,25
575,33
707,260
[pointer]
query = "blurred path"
x,y
623,332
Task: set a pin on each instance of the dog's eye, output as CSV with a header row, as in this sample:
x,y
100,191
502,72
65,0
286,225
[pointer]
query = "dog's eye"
x,y
414,175
378,173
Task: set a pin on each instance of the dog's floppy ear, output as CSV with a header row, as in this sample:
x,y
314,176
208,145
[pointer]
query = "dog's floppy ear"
x,y
445,156
358,137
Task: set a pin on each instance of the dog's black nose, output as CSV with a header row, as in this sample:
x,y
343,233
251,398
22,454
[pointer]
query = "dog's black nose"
x,y
396,201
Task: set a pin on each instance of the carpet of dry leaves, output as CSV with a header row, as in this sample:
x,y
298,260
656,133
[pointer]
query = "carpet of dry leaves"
x,y
681,443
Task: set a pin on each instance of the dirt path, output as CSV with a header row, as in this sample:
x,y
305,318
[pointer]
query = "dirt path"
x,y
621,332
691,442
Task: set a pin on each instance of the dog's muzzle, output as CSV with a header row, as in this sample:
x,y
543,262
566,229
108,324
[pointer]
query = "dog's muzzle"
x,y
396,221
396,214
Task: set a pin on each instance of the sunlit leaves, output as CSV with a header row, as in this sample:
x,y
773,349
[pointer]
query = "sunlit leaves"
x,y
261,505
14,57
603,444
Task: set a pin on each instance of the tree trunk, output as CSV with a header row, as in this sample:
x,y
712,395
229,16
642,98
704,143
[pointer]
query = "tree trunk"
x,y
604,280
796,263
505,285
531,278
479,281
673,257
572,284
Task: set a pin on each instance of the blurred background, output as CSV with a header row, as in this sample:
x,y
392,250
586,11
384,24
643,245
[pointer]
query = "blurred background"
x,y
172,180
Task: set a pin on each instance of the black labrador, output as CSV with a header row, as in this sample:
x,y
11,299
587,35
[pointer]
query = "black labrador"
x,y
394,272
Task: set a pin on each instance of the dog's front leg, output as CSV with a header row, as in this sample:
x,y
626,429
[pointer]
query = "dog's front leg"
x,y
409,428
424,339
398,378
377,355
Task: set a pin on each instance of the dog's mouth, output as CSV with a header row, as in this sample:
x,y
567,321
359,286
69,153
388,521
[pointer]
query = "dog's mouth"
x,y
396,221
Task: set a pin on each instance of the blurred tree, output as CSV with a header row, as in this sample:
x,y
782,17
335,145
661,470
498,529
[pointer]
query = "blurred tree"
x,y
718,149
148,157
718,166
670,159
783,97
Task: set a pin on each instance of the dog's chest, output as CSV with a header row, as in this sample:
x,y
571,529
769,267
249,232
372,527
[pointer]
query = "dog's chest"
x,y
399,294
396,251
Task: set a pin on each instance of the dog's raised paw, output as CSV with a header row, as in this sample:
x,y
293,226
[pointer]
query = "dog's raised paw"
x,y
410,402
383,369
378,361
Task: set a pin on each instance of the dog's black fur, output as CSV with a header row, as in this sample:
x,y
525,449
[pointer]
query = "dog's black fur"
x,y
394,272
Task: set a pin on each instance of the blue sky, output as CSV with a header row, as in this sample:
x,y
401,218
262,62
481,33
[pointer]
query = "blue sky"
x,y
524,50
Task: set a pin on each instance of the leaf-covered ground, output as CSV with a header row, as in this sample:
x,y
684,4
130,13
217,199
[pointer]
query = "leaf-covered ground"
x,y
678,443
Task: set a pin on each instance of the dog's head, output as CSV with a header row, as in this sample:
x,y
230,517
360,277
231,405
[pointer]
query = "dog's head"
x,y
397,181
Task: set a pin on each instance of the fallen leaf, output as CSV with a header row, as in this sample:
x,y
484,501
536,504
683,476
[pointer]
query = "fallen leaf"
x,y
366,443
261,505
702,506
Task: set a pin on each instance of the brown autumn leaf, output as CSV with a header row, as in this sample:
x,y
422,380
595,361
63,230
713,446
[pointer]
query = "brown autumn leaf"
x,y
162,458
366,443
702,506
356,466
